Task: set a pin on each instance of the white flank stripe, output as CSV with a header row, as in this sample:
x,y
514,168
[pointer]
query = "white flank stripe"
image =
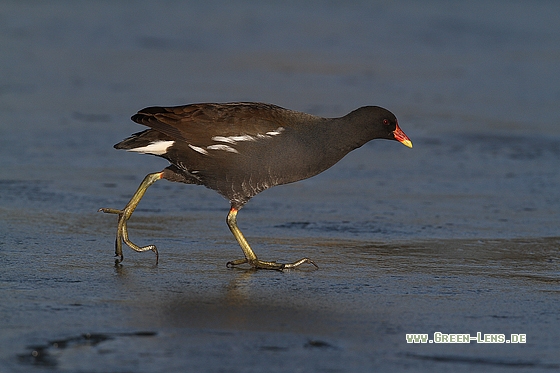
x,y
233,139
223,139
242,138
227,148
156,147
197,149
276,132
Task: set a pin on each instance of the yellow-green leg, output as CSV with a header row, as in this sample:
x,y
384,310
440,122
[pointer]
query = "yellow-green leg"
x,y
124,215
250,256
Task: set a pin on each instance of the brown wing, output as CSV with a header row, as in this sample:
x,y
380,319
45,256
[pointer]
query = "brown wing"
x,y
232,148
196,124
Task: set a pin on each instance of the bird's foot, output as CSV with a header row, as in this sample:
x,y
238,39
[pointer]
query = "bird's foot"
x,y
122,234
260,264
126,213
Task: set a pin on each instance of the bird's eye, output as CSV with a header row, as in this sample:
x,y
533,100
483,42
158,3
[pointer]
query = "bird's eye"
x,y
385,121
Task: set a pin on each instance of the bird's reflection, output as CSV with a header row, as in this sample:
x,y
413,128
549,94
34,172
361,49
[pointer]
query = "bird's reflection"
x,y
238,290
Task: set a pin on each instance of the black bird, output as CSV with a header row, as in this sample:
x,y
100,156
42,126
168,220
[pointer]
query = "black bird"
x,y
240,149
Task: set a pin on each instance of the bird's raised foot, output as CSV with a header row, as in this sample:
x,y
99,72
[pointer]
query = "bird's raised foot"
x,y
122,234
120,257
260,264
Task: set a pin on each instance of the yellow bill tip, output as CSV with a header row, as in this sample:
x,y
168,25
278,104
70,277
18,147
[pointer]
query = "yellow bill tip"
x,y
407,143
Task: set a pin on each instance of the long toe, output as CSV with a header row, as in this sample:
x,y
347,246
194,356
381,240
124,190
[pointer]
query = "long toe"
x,y
110,210
300,262
261,264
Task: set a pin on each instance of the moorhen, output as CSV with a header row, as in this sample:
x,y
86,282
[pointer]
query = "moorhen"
x,y
240,149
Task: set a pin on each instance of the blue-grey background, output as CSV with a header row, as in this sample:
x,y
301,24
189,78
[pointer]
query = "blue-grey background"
x,y
458,235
